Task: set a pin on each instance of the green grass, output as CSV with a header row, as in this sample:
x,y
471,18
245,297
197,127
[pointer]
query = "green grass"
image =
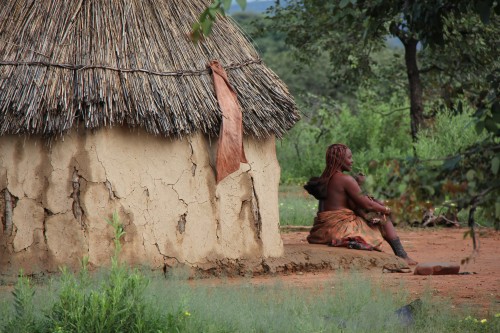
x,y
121,299
350,303
296,206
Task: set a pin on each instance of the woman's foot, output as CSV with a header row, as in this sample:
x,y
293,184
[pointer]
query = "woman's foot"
x,y
410,261
399,251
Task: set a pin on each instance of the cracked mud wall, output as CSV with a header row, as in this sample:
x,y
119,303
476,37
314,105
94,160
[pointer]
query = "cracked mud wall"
x,y
164,191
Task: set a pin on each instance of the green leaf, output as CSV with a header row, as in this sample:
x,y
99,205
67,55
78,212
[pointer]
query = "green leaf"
x,y
207,26
480,112
227,4
429,189
196,33
216,4
495,111
451,163
472,187
221,11
495,164
497,209
242,4
212,12
480,127
344,3
490,124
470,175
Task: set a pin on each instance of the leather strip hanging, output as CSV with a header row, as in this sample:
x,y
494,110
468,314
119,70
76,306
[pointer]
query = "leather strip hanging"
x,y
230,151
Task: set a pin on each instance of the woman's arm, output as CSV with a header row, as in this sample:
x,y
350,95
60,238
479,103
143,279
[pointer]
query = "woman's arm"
x,y
355,194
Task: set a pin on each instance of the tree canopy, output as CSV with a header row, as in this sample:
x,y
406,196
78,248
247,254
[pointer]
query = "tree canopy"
x,y
448,62
352,30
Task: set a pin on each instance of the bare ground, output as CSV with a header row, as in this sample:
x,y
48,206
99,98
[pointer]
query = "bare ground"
x,y
309,266
479,290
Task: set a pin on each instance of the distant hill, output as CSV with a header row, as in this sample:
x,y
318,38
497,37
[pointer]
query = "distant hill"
x,y
258,6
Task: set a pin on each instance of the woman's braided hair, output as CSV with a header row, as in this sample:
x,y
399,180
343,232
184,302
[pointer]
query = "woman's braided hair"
x,y
335,155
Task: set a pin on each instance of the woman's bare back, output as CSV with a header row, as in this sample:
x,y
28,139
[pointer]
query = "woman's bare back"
x,y
344,192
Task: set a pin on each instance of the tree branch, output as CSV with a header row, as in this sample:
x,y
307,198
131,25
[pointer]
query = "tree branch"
x,y
392,111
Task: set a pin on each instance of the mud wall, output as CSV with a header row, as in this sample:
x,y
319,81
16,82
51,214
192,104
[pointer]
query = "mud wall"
x,y
55,199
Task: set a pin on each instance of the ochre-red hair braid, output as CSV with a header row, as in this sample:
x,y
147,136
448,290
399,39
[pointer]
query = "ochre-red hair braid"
x,y
335,155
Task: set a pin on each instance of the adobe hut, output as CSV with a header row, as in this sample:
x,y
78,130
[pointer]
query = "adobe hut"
x,y
107,106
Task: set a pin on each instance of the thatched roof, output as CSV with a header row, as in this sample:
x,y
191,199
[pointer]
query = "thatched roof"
x,y
128,62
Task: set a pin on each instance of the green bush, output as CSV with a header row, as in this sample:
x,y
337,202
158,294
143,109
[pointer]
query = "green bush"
x,y
448,134
24,319
375,133
113,303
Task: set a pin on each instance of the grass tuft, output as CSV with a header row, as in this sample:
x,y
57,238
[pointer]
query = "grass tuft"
x,y
297,207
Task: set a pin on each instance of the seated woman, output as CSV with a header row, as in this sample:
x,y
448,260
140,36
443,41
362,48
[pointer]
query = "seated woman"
x,y
339,197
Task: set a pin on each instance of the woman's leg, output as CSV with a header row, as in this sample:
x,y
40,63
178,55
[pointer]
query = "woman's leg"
x,y
390,235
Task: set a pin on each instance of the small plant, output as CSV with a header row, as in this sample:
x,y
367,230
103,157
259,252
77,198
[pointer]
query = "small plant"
x,y
479,325
116,304
296,207
24,318
119,233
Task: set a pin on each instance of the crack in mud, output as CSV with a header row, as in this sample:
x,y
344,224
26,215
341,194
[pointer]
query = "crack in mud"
x,y
181,224
194,166
112,194
8,212
256,210
75,195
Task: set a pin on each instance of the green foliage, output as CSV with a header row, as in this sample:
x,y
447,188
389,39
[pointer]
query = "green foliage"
x,y
114,306
351,31
477,166
351,303
24,320
302,79
374,133
203,27
458,69
127,301
448,134
478,325
115,223
115,303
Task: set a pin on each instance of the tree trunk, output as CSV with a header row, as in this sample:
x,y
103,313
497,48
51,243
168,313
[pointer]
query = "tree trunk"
x,y
415,86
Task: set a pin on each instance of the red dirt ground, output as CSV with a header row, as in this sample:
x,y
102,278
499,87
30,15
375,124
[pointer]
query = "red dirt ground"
x,y
479,290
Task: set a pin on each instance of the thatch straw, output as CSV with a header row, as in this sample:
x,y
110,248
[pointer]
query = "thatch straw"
x,y
128,62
